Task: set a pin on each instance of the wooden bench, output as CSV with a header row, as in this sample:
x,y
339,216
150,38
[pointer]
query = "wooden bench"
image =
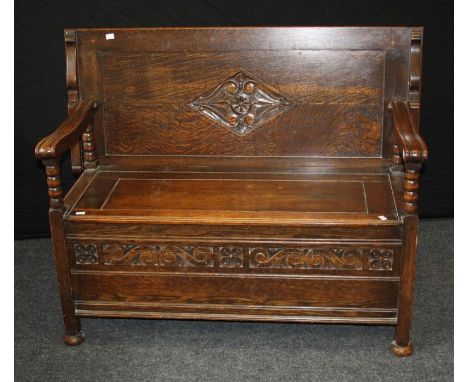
x,y
263,174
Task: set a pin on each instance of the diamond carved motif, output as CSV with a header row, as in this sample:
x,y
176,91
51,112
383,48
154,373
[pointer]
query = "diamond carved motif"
x,y
242,103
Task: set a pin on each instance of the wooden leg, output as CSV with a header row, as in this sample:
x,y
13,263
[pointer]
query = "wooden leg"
x,y
73,335
402,345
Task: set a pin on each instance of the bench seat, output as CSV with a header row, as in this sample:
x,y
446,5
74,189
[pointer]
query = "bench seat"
x,y
235,246
233,198
262,174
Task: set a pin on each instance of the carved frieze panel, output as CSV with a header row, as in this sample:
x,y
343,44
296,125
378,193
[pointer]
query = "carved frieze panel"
x,y
242,103
170,255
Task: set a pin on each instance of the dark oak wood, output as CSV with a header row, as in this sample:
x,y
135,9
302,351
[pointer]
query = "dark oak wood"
x,y
73,97
257,174
53,146
411,148
403,345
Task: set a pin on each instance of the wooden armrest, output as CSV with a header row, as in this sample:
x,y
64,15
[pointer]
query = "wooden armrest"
x,y
69,132
412,147
50,149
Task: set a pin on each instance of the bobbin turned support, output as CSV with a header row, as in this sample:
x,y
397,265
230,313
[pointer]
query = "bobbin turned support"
x,y
411,187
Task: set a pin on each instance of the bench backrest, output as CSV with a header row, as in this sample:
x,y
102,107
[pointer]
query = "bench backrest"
x,y
243,97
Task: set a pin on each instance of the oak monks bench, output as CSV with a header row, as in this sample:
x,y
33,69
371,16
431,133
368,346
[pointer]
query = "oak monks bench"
x,y
251,174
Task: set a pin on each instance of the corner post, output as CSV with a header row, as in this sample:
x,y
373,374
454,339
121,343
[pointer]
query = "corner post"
x,y
72,334
402,346
414,81
411,160
72,90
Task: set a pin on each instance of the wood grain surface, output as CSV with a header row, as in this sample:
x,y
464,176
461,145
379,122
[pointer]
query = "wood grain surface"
x,y
338,78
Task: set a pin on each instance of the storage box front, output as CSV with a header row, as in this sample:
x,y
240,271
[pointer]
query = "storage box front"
x,y
236,280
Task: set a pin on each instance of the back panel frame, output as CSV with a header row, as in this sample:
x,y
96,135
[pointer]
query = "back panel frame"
x,y
357,70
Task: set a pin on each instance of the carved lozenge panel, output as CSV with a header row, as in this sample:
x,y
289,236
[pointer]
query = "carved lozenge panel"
x,y
241,103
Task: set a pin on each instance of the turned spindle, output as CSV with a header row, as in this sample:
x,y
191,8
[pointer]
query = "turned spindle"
x,y
411,186
54,184
396,157
89,154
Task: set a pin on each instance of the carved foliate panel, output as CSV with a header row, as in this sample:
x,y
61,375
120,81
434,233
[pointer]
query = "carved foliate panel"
x,y
158,255
242,103
169,255
306,258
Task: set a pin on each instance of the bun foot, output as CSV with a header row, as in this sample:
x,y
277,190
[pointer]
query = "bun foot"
x,y
402,350
73,340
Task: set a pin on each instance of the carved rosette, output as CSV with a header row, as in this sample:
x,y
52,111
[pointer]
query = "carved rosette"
x,y
86,254
169,255
380,260
231,257
242,103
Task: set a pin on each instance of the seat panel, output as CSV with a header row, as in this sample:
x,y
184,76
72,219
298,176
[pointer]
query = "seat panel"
x,y
237,195
197,197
